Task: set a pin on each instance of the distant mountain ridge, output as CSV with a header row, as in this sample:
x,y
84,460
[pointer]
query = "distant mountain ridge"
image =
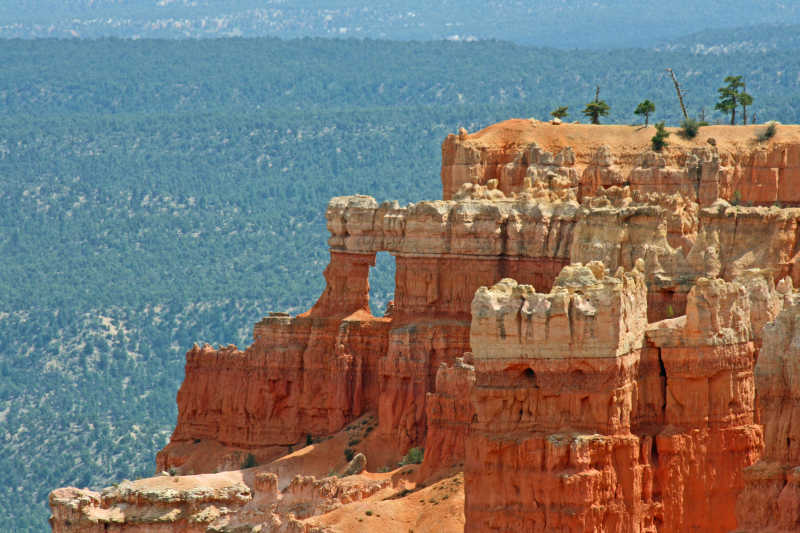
x,y
556,23
761,38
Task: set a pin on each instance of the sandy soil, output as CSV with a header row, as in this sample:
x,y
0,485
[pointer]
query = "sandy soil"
x,y
585,139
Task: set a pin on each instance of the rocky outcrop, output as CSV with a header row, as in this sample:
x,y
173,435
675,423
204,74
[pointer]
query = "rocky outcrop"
x,y
553,399
222,502
715,165
162,503
575,325
771,499
449,414
588,419
709,434
302,376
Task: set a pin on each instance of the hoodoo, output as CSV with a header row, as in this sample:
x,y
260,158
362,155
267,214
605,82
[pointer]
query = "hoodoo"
x,y
586,335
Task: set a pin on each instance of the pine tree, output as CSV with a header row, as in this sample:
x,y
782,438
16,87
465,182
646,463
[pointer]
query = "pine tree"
x,y
645,107
559,112
659,140
745,100
597,108
730,97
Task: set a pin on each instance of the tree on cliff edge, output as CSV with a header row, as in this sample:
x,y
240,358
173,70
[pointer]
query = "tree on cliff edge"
x,y
645,107
597,108
559,112
730,97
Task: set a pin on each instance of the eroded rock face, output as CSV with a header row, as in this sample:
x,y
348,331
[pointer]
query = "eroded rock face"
x,y
588,419
302,376
582,160
220,503
575,325
771,499
449,414
156,504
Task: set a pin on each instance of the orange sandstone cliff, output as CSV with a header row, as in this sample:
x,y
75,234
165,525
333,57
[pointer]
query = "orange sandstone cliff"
x,y
586,335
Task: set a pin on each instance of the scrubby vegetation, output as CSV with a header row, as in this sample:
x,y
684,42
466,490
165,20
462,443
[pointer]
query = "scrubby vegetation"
x,y
768,132
249,461
413,457
689,128
659,140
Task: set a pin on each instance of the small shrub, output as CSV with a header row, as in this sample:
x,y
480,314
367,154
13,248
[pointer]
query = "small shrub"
x,y
659,140
560,112
309,440
413,457
368,513
768,133
689,128
670,311
353,442
349,453
737,197
249,461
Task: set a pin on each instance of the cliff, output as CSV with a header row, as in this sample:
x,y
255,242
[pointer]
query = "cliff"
x,y
585,336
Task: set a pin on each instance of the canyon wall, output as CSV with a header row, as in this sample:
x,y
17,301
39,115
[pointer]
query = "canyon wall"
x,y
770,502
575,326
589,419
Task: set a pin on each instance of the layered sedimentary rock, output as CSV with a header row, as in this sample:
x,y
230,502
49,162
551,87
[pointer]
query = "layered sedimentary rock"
x,y
715,165
554,394
154,504
302,376
575,325
449,414
710,435
588,419
771,499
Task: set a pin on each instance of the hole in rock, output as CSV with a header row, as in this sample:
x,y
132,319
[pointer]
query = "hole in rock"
x,y
529,376
381,283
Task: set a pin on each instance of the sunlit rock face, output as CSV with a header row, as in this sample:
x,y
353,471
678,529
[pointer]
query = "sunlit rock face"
x,y
589,330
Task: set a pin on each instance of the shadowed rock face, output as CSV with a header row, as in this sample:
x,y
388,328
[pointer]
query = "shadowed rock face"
x,y
575,326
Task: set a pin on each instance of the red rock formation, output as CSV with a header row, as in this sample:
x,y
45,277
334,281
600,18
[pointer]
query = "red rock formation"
x,y
509,152
553,398
302,376
449,414
580,427
597,402
770,502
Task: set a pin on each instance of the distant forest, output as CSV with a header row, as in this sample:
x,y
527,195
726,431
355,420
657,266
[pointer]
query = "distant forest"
x,y
565,24
157,193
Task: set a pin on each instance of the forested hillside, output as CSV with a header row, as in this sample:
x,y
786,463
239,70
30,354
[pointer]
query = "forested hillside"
x,y
556,23
158,193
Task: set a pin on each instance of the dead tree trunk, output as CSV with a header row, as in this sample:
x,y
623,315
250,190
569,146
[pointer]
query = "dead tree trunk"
x,y
678,90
